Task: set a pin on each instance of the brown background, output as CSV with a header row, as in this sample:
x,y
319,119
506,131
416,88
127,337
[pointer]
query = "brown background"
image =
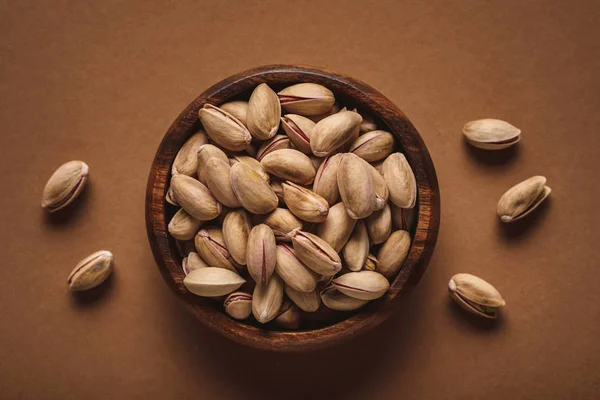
x,y
103,81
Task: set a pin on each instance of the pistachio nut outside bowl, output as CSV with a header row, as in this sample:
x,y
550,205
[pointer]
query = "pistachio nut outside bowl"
x,y
316,333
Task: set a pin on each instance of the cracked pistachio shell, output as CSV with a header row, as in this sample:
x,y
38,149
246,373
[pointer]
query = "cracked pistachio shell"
x,y
316,253
305,204
373,146
475,295
91,271
403,218
211,247
371,263
261,254
205,153
218,180
306,301
65,184
183,226
325,183
267,299
289,316
252,163
291,165
252,190
334,131
264,112
293,272
192,262
238,305
236,228
224,129
299,129
491,134
392,253
337,228
306,99
336,300
400,181
355,183
282,222
212,282
277,142
195,198
186,160
237,108
379,225
356,250
363,285
381,190
520,200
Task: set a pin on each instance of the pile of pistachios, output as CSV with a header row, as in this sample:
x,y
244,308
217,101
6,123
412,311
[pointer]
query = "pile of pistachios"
x,y
289,203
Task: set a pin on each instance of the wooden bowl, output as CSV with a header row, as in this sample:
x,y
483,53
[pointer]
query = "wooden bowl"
x,y
350,92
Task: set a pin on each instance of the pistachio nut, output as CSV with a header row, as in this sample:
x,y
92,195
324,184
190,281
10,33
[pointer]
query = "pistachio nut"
x,y
337,228
333,110
381,190
224,129
212,282
292,271
205,153
371,263
192,262
400,181
373,146
277,142
282,222
252,190
291,165
236,228
305,204
238,305
520,200
170,198
356,187
183,226
278,189
379,225
368,123
403,218
218,180
298,129
332,132
65,184
195,198
261,254
186,160
306,301
211,247
325,183
491,134
267,299
306,99
264,112
91,271
392,253
288,316
237,108
336,300
316,253
252,163
475,295
356,250
363,285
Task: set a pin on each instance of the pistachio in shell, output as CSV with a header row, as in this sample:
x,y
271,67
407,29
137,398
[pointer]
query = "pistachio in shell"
x,y
298,129
252,190
363,285
223,128
305,204
373,146
183,226
211,247
306,99
333,132
205,153
218,180
356,250
237,108
475,295
267,299
491,134
236,229
291,165
293,272
392,253
238,305
337,227
186,160
91,271
306,301
195,198
400,180
65,185
338,301
261,254
316,253
325,183
356,187
212,282
264,112
520,200
277,142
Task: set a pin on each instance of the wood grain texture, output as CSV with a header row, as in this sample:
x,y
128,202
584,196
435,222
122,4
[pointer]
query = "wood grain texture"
x,y
348,91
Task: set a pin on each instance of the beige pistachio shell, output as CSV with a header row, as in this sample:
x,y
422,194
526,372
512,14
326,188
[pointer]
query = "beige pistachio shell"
x,y
195,198
211,247
170,198
356,187
267,299
264,112
91,271
403,218
238,108
293,272
193,261
363,285
392,253
252,163
252,190
236,228
333,110
289,316
475,295
336,300
337,228
238,305
306,301
520,200
491,134
282,222
261,254
400,181
183,226
205,153
371,263
332,132
218,180
186,160
378,167
373,146
65,184
356,250
212,282
325,183
305,204
277,142
316,253
291,165
381,190
306,99
379,225
224,129
299,129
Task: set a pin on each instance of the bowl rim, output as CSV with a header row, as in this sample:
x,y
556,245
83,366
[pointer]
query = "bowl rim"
x,y
367,99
